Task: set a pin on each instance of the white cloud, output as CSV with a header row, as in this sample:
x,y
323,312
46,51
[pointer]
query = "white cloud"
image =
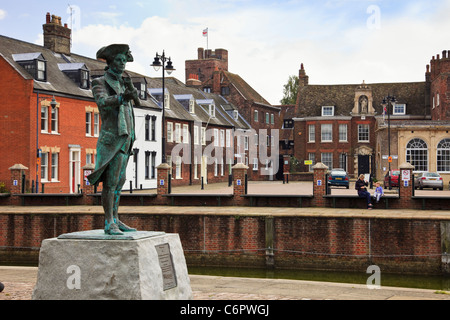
x,y
267,43
2,14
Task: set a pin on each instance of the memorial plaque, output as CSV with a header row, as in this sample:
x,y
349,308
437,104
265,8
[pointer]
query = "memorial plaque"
x,y
166,264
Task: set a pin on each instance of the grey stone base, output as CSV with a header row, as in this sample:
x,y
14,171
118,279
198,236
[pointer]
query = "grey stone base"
x,y
150,266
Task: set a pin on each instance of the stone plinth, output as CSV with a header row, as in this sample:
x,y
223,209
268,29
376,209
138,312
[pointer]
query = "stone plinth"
x,y
93,266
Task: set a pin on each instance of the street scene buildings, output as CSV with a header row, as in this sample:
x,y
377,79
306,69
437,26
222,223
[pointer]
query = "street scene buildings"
x,y
212,121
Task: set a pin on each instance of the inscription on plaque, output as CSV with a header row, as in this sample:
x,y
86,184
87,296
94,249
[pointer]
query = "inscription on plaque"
x,y
166,264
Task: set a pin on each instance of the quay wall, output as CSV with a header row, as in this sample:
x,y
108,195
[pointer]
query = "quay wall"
x,y
237,237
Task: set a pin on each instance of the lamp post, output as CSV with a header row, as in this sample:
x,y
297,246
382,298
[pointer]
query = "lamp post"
x,y
53,104
387,101
160,61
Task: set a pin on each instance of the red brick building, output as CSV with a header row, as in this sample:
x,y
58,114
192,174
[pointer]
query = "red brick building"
x,y
209,72
53,140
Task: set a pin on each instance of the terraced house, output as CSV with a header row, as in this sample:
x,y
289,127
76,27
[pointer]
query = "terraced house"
x,y
51,122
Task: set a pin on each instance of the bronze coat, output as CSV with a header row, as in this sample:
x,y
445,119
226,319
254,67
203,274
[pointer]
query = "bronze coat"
x,y
117,128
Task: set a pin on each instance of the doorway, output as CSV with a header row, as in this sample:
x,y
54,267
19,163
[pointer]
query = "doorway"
x,y
363,164
74,169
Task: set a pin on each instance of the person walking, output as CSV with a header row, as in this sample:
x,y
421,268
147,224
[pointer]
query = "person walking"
x,y
361,187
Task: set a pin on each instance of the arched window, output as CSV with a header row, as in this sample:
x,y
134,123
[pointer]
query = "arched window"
x,y
417,154
443,155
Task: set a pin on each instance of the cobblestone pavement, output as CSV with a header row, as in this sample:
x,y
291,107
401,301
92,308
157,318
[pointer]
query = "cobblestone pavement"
x,y
20,282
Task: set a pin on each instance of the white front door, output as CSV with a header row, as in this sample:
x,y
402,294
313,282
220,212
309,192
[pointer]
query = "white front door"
x,y
74,169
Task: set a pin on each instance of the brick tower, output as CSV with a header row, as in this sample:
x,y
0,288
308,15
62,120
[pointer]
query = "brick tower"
x,y
438,79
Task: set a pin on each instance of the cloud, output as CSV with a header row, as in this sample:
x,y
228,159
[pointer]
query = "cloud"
x,y
268,42
2,14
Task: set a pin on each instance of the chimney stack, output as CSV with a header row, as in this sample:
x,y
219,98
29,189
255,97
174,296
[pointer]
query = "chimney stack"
x,y
56,36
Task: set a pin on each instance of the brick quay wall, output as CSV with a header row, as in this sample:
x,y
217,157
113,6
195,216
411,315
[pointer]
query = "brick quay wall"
x,y
294,238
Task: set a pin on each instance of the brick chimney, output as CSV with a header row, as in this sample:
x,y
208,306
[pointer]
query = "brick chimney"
x,y
56,36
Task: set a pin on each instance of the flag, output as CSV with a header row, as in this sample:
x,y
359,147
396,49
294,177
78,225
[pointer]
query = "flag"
x,y
205,32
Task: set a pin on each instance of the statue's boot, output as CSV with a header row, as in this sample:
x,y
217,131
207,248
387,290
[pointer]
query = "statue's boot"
x,y
112,229
123,227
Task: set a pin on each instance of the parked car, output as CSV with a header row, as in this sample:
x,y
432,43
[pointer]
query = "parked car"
x,y
428,180
338,177
394,178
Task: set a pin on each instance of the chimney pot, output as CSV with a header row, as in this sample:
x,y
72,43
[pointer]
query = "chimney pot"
x,y
47,18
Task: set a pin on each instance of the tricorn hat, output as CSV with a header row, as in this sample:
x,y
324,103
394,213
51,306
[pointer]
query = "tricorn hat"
x,y
109,52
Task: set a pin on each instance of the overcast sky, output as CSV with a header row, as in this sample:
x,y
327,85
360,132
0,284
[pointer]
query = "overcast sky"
x,y
338,41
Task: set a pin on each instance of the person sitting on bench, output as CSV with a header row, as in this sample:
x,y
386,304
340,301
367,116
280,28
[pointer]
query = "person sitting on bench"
x,y
361,187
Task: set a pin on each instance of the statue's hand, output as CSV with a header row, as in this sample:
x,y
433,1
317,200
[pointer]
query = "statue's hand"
x,y
130,95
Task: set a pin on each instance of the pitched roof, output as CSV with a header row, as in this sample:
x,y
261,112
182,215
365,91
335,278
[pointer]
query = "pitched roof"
x,y
245,89
312,97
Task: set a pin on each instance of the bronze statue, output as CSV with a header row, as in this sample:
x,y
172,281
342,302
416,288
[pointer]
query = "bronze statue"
x,y
113,95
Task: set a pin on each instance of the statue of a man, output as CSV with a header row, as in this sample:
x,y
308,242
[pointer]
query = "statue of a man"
x,y
113,95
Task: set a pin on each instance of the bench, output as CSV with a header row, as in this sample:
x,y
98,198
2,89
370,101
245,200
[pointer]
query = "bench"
x,y
386,198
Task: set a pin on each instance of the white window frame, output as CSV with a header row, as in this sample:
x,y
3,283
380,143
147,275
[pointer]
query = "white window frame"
x,y
312,133
55,167
54,115
44,166
96,124
177,132
185,133
169,131
44,119
327,111
362,134
255,164
327,159
326,132
343,132
88,123
196,136
203,136
191,106
212,110
399,108
222,138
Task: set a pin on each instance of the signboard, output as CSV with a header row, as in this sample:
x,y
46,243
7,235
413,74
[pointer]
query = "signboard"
x,y
161,182
238,182
165,262
308,162
406,175
319,182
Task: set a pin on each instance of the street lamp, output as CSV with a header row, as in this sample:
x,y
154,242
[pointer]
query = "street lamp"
x,y
389,100
169,69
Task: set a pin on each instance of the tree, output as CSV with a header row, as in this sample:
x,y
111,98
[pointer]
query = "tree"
x,y
290,90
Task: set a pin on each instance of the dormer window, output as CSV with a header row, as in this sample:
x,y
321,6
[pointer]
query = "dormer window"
x,y
191,106
327,111
166,100
225,91
77,72
34,63
141,86
399,108
235,114
212,111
